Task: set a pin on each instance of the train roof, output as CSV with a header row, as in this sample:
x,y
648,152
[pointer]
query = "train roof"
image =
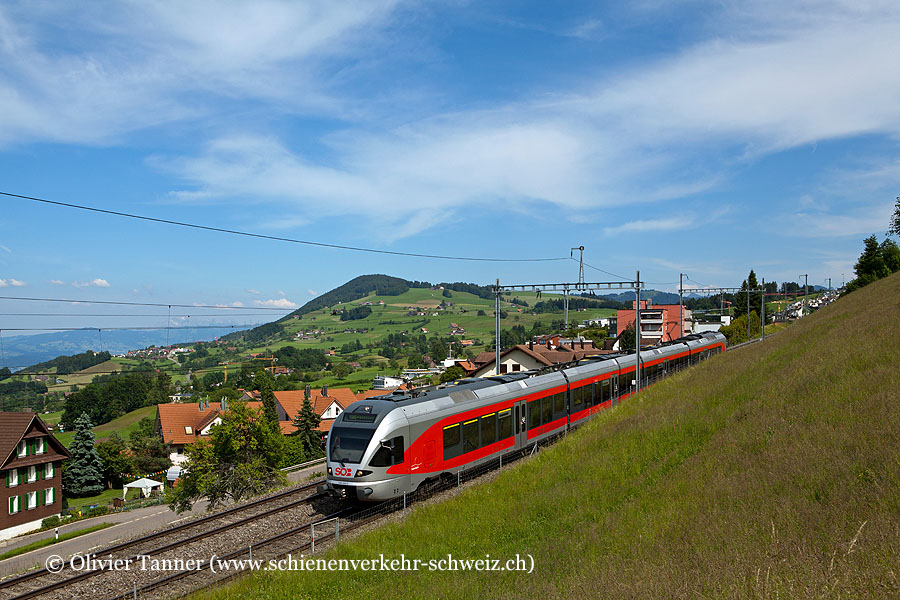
x,y
470,389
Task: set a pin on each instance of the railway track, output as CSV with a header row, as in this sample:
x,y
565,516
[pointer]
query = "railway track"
x,y
226,524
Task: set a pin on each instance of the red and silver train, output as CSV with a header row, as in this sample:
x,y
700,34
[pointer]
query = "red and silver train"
x,y
389,445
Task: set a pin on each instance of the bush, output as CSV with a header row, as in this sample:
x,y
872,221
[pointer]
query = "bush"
x,y
50,522
96,511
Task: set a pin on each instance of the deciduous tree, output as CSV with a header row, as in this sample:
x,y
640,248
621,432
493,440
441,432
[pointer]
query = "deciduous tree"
x,y
239,459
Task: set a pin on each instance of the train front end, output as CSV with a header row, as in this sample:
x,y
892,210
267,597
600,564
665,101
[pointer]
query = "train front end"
x,y
365,450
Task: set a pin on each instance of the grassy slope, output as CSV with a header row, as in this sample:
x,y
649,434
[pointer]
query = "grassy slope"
x,y
123,425
769,472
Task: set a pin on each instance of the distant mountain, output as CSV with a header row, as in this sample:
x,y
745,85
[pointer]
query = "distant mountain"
x,y
24,350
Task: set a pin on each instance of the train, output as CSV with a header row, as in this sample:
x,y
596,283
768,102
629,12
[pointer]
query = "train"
x,y
390,445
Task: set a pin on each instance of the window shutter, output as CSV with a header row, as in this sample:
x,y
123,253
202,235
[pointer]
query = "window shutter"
x,y
43,497
7,479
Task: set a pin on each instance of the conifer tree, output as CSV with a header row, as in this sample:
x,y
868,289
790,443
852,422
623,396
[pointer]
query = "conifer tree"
x,y
306,422
84,473
265,385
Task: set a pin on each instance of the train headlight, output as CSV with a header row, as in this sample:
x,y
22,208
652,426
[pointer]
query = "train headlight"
x,y
362,473
329,470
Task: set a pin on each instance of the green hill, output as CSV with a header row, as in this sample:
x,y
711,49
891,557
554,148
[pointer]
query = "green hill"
x,y
768,472
359,287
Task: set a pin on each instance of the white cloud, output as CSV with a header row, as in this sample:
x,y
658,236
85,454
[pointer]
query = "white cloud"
x,y
102,283
660,130
312,292
237,303
666,224
5,249
279,303
12,282
181,59
254,292
56,282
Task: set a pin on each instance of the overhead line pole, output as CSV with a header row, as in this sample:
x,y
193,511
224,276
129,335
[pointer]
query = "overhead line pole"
x,y
805,294
637,333
497,317
561,287
681,301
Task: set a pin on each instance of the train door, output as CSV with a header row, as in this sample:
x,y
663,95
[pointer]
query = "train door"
x,y
519,424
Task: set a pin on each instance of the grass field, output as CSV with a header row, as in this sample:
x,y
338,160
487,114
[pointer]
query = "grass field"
x,y
123,425
769,472
102,499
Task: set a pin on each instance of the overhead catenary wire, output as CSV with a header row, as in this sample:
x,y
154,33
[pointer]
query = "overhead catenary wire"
x,y
147,328
622,277
160,304
274,237
193,316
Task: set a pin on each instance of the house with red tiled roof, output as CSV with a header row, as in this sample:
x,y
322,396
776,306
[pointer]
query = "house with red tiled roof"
x,y
31,462
526,357
182,424
327,402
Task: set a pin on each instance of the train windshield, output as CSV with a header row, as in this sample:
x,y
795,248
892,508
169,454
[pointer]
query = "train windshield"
x,y
348,444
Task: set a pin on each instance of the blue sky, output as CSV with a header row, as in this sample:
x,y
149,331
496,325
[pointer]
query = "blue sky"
x,y
698,137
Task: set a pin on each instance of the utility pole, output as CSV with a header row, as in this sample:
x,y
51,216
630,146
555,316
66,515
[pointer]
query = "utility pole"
x,y
497,316
805,293
829,284
681,301
580,284
748,311
637,332
763,307
580,265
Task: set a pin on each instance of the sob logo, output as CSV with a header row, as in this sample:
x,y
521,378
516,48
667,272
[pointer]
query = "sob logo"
x,y
343,471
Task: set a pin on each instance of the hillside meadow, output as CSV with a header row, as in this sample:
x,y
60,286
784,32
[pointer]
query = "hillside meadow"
x,y
769,472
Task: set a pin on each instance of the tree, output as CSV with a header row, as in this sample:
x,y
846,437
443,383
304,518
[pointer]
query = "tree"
x,y
114,453
740,304
307,421
453,373
84,475
876,261
148,451
266,386
239,459
341,370
627,339
894,228
736,333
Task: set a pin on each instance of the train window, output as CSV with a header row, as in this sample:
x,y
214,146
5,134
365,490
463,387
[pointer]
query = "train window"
x,y
559,403
578,397
604,393
470,435
504,418
534,414
451,435
390,453
382,458
625,383
397,450
547,409
488,429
